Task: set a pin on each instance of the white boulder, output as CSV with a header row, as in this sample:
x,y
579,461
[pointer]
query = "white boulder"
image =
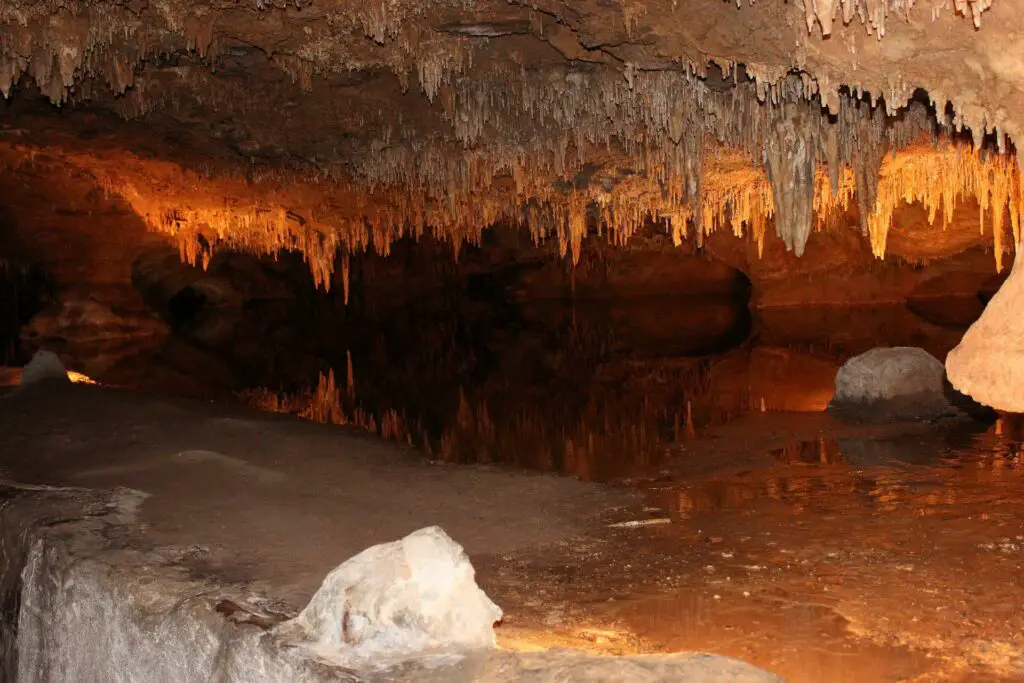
x,y
45,365
396,601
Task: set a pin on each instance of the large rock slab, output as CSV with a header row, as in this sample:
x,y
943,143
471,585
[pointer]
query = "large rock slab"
x,y
89,607
988,364
901,382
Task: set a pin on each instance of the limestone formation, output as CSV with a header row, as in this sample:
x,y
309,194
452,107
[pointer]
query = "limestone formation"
x,y
396,601
897,382
988,364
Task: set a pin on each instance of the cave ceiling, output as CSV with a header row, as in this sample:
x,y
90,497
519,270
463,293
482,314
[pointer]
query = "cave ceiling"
x,y
326,126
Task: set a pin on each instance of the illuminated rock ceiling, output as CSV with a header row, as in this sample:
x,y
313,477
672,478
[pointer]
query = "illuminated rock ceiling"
x,y
329,126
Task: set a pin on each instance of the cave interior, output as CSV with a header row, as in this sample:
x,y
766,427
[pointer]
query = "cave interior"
x,y
625,243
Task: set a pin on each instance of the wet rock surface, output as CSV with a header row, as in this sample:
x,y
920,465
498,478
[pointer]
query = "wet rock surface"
x,y
557,666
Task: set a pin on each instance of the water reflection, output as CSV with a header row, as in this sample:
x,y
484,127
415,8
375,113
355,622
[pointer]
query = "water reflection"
x,y
820,451
598,389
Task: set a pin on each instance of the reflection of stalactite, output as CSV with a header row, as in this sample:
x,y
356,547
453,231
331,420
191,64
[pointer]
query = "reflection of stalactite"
x,y
345,276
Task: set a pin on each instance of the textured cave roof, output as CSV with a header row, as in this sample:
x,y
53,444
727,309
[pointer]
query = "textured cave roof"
x,y
324,126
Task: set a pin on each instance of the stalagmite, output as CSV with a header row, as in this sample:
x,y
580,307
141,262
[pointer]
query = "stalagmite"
x,y
988,364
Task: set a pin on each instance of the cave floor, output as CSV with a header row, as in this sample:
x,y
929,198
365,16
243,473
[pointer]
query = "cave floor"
x,y
821,551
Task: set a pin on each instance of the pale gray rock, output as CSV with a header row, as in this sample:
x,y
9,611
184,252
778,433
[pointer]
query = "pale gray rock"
x,y
395,601
901,382
45,365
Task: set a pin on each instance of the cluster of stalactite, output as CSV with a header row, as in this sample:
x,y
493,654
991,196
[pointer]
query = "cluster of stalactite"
x,y
670,131
563,148
873,13
794,188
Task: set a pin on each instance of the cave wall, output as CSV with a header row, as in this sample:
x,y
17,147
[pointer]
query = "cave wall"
x,y
59,223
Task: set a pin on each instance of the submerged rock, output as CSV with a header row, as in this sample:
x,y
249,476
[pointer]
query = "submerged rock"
x,y
901,382
396,601
45,365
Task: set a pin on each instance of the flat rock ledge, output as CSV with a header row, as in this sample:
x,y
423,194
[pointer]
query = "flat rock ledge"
x,y
82,603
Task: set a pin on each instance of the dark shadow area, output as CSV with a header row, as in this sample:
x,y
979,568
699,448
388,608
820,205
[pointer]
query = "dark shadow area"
x,y
25,289
184,307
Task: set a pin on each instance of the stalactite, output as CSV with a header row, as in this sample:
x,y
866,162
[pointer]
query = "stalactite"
x,y
873,13
789,162
939,178
345,276
870,146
